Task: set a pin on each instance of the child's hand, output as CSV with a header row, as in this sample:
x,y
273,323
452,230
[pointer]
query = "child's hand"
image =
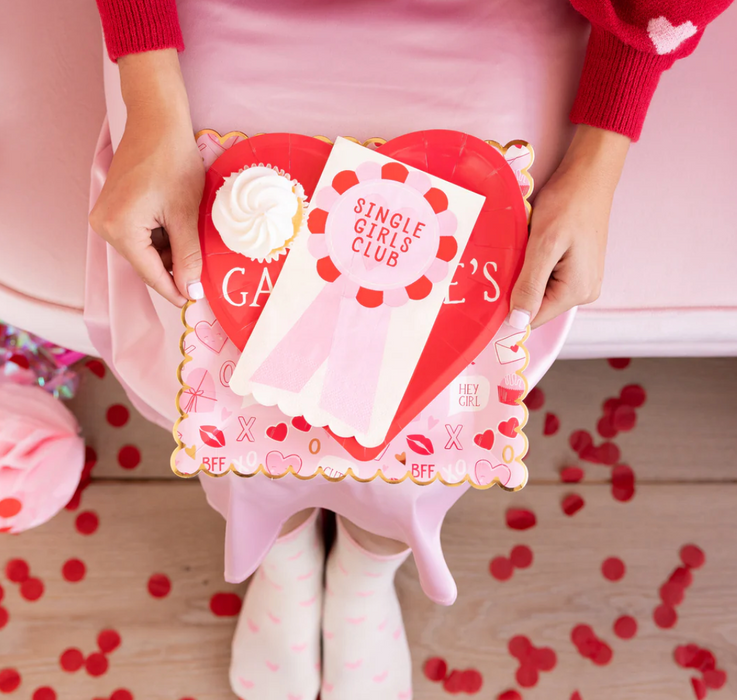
x,y
155,180
564,262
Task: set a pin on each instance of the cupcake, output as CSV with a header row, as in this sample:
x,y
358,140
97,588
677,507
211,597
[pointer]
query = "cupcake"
x,y
258,212
511,389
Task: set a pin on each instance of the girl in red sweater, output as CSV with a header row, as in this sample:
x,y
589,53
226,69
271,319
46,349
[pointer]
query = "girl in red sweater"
x,y
156,179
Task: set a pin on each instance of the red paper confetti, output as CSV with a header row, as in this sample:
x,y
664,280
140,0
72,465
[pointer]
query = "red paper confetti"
x,y
17,570
671,594
603,655
435,669
225,604
72,660
9,680
520,647
590,646
117,415
552,424
624,418
4,617
685,655
129,457
10,507
610,405
605,427
625,627
613,569
580,440
108,641
692,556
97,368
619,362
623,483
681,577
122,694
96,664
571,475
715,679
521,556
159,585
606,453
527,676
454,682
509,695
90,458
44,693
501,568
576,696
665,616
32,589
543,659
699,688
633,395
572,504
580,634
85,480
520,519
705,660
2,594
471,681
87,522
535,400
73,570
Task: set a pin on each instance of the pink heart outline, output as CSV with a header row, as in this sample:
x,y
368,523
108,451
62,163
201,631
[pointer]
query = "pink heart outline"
x,y
211,335
277,463
486,473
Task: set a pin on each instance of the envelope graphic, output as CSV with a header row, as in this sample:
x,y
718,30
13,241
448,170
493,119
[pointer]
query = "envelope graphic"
x,y
508,350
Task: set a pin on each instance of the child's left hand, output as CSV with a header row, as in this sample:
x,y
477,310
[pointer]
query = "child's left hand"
x,y
564,261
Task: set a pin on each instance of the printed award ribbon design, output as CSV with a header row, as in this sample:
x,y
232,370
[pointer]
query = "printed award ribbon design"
x,y
382,235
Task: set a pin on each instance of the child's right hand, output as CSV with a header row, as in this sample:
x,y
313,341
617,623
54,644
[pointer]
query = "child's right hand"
x,y
156,179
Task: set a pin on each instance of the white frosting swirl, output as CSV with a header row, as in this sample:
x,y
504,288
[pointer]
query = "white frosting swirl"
x,y
254,211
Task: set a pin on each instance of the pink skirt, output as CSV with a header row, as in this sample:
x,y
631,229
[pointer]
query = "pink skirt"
x,y
495,69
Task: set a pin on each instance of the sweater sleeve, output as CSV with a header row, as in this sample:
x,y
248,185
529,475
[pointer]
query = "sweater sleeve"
x,y
632,42
134,26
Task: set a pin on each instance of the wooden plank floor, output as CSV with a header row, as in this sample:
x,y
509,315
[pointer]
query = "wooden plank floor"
x,y
683,451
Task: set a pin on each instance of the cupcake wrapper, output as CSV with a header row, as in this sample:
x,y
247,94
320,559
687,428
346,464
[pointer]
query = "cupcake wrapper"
x,y
510,396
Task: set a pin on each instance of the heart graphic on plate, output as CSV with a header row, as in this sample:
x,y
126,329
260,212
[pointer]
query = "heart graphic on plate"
x,y
277,463
508,428
237,287
212,335
486,473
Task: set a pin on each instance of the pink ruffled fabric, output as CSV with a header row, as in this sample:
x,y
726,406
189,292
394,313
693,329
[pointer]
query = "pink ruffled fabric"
x,y
41,456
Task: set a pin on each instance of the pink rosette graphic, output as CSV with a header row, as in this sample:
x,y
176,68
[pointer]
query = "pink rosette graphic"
x,y
382,236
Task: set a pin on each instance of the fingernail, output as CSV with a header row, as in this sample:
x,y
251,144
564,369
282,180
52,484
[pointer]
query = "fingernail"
x,y
518,319
195,290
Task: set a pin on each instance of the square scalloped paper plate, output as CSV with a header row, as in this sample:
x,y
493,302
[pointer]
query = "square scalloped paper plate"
x,y
470,432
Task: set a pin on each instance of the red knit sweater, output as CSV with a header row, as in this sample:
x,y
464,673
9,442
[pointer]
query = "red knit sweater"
x,y
632,42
